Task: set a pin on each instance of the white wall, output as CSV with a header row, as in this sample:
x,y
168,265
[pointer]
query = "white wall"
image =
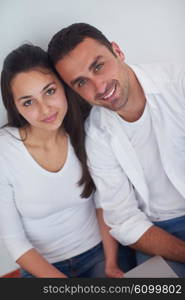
x,y
147,30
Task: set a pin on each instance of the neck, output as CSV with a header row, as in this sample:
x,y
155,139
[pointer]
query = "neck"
x,y
136,101
41,138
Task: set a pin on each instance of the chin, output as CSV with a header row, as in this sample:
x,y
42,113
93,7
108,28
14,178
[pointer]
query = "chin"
x,y
115,106
51,127
54,127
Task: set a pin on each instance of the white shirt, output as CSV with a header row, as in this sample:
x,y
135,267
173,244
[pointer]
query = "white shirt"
x,y
165,201
114,163
40,209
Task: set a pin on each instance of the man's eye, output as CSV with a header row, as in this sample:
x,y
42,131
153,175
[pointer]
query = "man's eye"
x,y
50,91
27,103
98,67
82,82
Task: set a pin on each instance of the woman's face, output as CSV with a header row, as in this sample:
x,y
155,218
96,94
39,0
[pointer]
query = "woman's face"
x,y
40,98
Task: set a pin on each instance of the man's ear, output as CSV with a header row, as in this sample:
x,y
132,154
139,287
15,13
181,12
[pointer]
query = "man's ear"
x,y
118,51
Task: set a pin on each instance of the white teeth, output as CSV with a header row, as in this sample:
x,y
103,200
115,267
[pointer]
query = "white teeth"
x,y
110,94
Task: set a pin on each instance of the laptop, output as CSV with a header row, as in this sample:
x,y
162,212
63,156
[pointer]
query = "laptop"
x,y
155,267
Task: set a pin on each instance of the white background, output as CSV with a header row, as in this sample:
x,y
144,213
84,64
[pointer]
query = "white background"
x,y
146,30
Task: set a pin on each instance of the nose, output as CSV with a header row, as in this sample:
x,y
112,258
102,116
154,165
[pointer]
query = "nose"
x,y
44,108
99,86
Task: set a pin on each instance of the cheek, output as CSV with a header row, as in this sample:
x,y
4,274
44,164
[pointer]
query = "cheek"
x,y
28,114
114,70
87,92
60,102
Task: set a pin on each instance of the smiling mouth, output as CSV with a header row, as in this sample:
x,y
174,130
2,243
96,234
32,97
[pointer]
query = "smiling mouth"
x,y
51,118
109,95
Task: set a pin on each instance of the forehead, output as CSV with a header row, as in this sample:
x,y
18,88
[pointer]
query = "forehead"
x,y
79,59
33,80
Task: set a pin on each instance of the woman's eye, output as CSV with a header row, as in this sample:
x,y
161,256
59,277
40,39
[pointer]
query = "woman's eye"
x,y
27,103
81,82
98,67
50,91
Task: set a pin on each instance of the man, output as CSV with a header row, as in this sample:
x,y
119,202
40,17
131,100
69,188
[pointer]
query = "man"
x,y
135,140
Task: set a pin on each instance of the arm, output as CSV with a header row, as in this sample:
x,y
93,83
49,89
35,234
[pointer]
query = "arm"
x,y
35,264
110,246
156,241
128,224
13,235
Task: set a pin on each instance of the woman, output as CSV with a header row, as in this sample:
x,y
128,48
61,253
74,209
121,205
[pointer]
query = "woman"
x,y
47,215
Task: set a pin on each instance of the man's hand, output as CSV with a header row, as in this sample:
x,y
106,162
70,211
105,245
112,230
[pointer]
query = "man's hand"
x,y
114,272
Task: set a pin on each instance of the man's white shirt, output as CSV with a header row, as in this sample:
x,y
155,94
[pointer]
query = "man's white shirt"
x,y
123,167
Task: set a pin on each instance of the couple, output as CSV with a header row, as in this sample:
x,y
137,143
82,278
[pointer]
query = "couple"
x,y
135,148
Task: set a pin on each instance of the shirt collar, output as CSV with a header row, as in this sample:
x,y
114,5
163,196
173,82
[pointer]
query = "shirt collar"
x,y
144,79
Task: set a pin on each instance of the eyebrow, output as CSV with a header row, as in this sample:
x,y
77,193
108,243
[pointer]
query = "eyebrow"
x,y
29,96
92,65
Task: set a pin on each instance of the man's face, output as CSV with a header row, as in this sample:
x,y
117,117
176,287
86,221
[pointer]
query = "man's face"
x,y
96,74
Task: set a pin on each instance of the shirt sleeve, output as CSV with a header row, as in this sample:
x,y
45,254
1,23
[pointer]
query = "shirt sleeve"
x,y
11,228
114,192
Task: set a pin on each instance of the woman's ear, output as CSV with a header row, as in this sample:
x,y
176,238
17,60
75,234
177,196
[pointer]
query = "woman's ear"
x,y
116,49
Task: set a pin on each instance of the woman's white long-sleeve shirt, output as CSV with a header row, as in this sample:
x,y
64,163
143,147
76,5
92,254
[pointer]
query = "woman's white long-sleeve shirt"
x,y
40,209
114,165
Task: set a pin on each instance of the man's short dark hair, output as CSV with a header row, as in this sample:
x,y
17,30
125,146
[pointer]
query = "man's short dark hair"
x,y
69,37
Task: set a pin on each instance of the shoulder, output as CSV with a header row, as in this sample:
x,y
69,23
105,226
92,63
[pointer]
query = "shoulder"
x,y
165,71
4,134
98,122
94,120
8,137
100,131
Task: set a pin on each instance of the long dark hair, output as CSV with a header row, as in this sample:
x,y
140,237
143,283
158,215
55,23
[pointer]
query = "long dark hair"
x,y
69,37
25,58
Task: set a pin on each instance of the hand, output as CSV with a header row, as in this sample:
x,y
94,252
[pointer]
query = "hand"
x,y
114,272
